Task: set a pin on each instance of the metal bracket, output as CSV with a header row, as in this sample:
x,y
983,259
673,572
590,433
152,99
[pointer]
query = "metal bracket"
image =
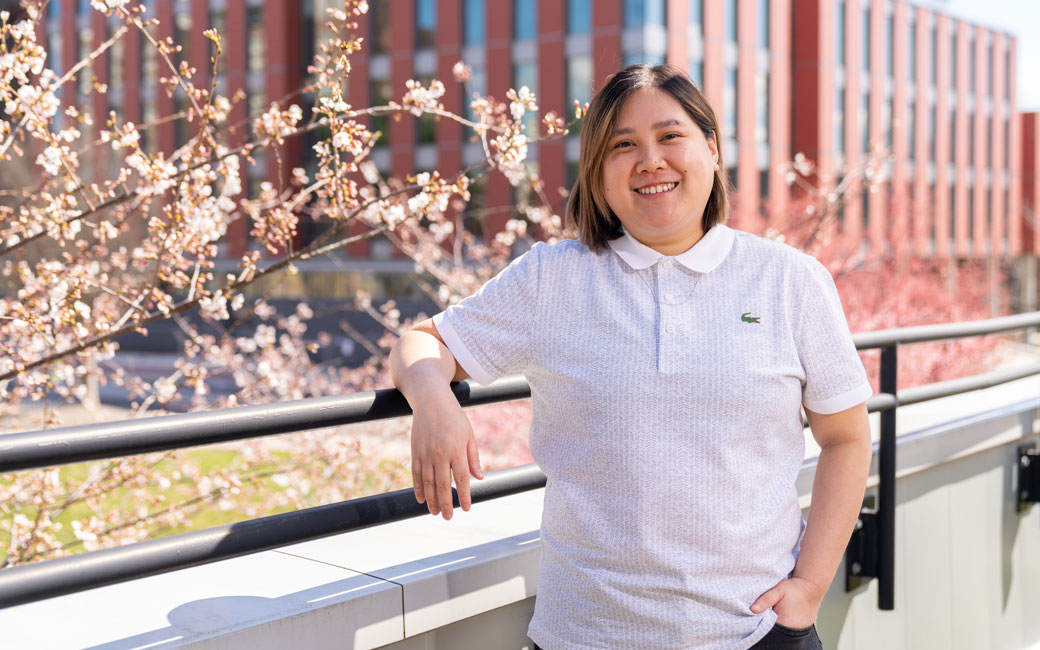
x,y
861,555
1028,476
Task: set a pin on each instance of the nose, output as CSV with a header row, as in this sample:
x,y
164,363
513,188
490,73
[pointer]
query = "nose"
x,y
650,160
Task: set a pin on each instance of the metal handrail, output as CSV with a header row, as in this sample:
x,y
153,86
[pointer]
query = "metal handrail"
x,y
64,445
945,331
71,574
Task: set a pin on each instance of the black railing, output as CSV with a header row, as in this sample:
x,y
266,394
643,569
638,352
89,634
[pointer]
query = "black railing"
x,y
871,552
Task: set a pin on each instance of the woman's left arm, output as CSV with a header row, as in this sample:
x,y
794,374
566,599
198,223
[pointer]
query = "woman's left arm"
x,y
837,496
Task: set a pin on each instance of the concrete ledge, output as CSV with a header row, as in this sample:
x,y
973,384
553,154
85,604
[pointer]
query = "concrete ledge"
x,y
426,583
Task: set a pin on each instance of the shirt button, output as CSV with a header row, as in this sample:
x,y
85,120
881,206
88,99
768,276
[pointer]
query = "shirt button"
x,y
670,329
669,297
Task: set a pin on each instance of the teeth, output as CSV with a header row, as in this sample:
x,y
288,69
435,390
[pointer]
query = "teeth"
x,y
654,189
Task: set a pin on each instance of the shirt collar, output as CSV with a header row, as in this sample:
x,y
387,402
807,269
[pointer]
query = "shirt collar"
x,y
702,257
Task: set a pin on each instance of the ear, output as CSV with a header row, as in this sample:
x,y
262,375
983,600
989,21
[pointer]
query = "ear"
x,y
713,147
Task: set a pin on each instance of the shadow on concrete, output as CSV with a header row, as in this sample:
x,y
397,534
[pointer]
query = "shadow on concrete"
x,y
342,614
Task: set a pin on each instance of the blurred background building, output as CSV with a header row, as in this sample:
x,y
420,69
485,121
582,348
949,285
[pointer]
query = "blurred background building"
x,y
833,79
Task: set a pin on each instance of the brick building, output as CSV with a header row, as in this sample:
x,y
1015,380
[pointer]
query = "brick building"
x,y
829,78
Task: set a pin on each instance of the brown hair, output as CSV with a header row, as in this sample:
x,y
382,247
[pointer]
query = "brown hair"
x,y
587,209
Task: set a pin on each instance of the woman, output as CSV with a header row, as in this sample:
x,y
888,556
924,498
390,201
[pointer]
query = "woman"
x,y
668,358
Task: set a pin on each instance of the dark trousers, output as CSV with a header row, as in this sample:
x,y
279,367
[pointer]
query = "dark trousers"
x,y
782,638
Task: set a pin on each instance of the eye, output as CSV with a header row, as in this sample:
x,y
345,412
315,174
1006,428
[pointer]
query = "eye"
x,y
623,144
671,136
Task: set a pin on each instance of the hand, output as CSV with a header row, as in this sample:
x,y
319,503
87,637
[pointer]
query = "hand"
x,y
796,602
443,445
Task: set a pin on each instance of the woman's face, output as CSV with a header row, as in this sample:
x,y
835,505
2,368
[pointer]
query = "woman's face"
x,y
658,171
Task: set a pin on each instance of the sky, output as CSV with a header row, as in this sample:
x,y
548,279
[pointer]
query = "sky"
x,y
1019,17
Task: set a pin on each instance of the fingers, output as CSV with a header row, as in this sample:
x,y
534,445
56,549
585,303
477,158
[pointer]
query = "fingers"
x,y
429,488
417,481
767,600
474,459
432,485
461,470
442,485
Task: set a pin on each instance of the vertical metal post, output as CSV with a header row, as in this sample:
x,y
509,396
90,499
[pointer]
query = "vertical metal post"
x,y
887,486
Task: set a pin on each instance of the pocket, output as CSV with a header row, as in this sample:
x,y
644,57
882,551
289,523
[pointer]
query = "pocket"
x,y
794,632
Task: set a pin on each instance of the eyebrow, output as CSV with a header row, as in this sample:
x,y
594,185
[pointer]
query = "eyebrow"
x,y
655,126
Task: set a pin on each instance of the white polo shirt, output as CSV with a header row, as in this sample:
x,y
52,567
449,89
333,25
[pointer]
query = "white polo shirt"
x,y
666,395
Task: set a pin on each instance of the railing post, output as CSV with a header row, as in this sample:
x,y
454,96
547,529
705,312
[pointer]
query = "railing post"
x,y
886,516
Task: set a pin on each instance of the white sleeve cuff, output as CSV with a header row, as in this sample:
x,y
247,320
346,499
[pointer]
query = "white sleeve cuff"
x,y
459,350
839,403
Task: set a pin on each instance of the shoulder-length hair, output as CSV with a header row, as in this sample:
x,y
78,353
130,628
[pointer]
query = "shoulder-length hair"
x,y
587,209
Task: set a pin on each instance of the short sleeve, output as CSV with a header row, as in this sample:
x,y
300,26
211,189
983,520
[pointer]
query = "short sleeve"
x,y
834,376
490,332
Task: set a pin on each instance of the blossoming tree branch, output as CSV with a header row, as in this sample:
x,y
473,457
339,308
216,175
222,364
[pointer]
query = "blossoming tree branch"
x,y
87,258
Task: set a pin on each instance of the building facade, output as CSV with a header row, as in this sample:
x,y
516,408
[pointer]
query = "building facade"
x,y
833,79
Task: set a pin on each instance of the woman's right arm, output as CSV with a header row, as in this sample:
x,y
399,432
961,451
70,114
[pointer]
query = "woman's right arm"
x,y
443,445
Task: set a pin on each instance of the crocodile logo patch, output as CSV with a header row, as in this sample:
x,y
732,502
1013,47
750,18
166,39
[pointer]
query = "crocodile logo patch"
x,y
746,317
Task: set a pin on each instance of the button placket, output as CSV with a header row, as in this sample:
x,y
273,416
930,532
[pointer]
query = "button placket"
x,y
669,279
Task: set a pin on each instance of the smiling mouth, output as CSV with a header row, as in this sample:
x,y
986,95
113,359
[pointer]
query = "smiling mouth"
x,y
656,189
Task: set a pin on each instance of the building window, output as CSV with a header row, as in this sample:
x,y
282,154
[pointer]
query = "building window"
x,y
578,16
971,215
380,94
730,20
1007,74
54,42
864,123
1007,146
579,78
839,33
763,24
525,20
989,142
912,52
473,19
426,129
762,107
379,26
639,13
697,72
890,28
933,118
933,50
729,104
116,65
477,86
84,81
953,62
839,123
632,58
217,21
989,211
887,110
425,23
989,69
971,66
255,60
911,132
864,41
864,215
696,12
953,135
527,75
971,139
